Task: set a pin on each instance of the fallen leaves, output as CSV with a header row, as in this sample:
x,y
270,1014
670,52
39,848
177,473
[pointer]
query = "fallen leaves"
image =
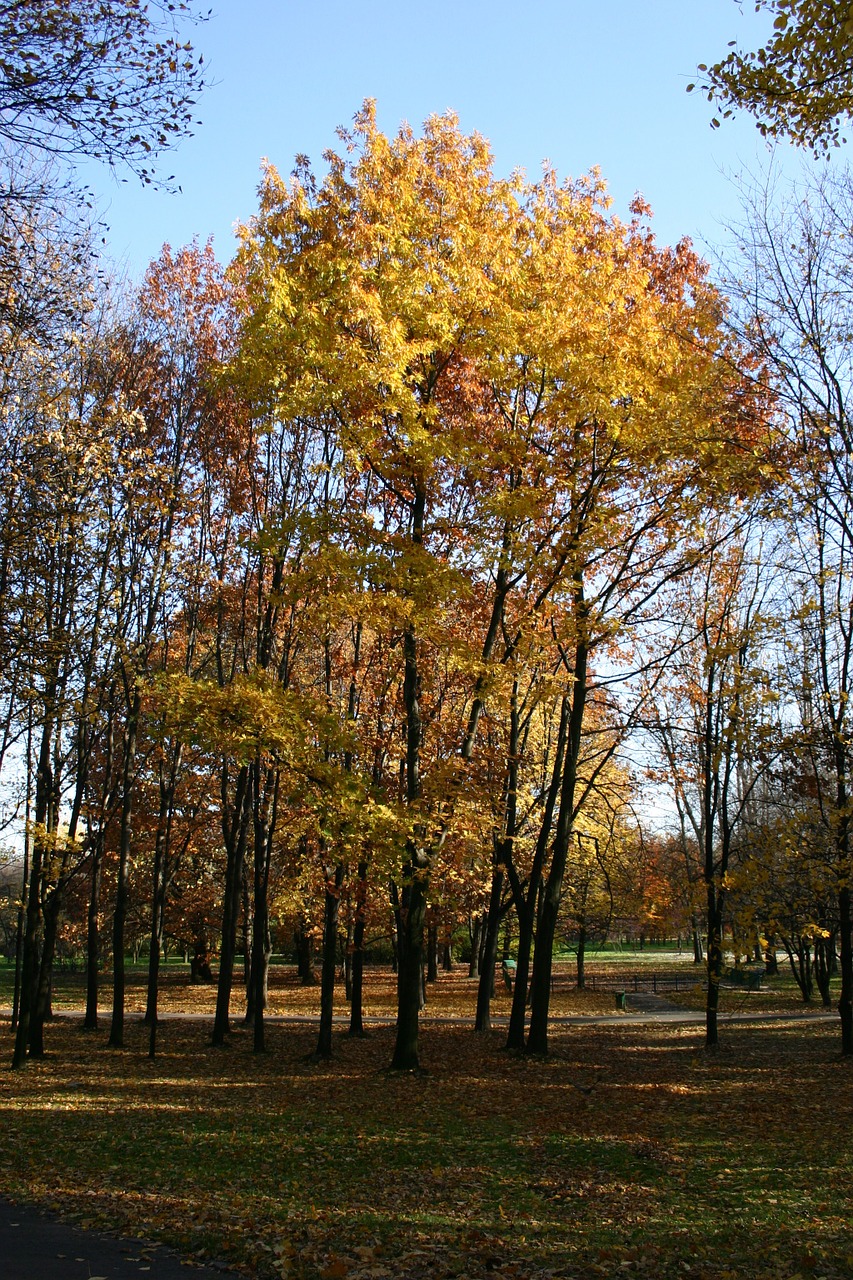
x,y
489,1166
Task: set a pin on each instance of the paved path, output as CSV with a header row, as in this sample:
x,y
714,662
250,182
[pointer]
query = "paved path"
x,y
643,1006
37,1245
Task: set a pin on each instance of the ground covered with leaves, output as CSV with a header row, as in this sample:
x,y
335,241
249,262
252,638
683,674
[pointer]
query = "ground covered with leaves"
x,y
629,1150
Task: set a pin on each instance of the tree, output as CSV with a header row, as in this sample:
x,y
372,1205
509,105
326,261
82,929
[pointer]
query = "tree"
x,y
535,397
710,717
799,85
109,79
794,287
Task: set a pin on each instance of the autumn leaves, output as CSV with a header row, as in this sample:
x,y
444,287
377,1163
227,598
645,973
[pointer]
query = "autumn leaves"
x,y
522,407
386,503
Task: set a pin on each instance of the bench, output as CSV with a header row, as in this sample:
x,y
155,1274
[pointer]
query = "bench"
x,y
749,978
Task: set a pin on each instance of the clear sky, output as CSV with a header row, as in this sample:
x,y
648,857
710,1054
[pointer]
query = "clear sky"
x,y
579,82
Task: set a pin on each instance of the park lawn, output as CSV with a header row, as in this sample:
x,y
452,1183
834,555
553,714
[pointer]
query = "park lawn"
x,y
629,1150
454,995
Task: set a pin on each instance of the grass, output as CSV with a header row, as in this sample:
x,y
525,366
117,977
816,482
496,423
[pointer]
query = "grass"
x,y
629,1150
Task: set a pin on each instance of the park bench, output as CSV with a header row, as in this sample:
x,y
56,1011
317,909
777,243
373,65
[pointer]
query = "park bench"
x,y
749,978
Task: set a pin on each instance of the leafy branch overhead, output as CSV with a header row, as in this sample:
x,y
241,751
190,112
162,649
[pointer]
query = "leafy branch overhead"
x,y
799,85
111,79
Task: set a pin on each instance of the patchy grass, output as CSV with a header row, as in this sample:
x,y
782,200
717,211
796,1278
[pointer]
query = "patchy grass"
x,y
629,1150
454,995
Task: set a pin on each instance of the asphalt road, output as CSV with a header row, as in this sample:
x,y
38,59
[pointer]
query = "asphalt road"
x,y
37,1245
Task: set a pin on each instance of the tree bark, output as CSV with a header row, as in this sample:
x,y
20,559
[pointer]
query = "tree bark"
x,y
845,1001
235,820
116,1040
537,1036
356,1021
330,947
485,988
715,899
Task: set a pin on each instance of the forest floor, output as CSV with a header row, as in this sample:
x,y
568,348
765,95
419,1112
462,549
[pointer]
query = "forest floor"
x,y
630,1149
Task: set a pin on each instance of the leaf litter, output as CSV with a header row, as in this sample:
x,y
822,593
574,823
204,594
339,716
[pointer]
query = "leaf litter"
x,y
666,1162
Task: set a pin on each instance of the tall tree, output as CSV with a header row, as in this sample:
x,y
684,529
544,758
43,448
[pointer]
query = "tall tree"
x,y
482,351
794,285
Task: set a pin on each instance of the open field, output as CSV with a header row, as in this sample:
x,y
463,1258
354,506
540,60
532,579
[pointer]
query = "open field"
x,y
630,1150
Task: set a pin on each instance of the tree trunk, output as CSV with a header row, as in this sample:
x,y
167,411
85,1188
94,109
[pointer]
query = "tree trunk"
x,y
537,1036
116,1040
581,959
432,951
410,972
330,947
845,1002
356,1022
475,933
413,904
515,1035
715,963
348,944
93,940
823,947
20,929
696,935
30,961
235,832
485,989
304,943
42,1009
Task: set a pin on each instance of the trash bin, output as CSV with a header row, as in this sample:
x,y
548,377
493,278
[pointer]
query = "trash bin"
x,y
621,1001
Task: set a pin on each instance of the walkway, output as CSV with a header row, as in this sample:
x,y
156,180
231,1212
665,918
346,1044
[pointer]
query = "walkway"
x,y
37,1245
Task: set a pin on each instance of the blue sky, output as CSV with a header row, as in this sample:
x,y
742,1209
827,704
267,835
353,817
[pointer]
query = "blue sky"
x,y
578,82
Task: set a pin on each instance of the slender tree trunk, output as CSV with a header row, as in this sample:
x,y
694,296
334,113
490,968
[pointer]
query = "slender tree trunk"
x,y
330,947
347,967
696,936
155,940
715,962
356,1021
581,959
845,1001
25,873
304,944
515,1035
93,935
235,831
476,930
42,1008
822,969
116,1040
160,878
30,962
432,951
537,1037
416,874
410,971
33,935
485,989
